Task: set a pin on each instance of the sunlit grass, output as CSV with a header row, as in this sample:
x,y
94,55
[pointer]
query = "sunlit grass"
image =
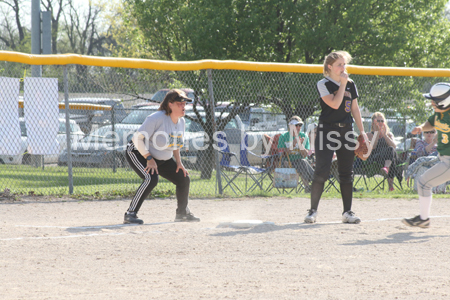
x,y
104,183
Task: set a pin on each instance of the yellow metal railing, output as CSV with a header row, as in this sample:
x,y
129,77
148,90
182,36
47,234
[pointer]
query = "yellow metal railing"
x,y
68,59
78,106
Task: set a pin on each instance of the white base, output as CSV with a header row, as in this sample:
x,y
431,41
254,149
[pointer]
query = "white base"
x,y
245,223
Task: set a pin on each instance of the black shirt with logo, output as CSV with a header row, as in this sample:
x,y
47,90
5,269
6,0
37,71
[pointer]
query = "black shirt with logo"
x,y
328,86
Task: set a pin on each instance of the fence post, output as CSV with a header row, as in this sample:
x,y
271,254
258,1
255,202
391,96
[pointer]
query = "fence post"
x,y
216,154
68,132
113,123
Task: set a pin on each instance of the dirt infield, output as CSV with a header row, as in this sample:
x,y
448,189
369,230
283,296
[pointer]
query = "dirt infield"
x,y
80,250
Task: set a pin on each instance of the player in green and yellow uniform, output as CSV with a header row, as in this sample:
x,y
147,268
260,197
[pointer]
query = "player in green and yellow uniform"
x,y
439,173
441,121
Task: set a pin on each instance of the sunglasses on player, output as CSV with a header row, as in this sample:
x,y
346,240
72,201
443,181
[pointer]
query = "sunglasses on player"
x,y
432,132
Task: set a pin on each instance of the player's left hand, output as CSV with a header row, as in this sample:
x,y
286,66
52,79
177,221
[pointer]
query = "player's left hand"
x,y
181,167
366,139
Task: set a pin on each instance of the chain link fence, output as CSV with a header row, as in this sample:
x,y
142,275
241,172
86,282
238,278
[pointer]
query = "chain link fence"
x,y
85,115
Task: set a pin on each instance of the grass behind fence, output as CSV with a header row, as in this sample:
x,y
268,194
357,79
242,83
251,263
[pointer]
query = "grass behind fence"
x,y
104,183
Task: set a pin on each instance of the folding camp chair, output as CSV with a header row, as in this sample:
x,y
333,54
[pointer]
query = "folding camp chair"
x,y
359,172
371,170
333,178
233,166
264,168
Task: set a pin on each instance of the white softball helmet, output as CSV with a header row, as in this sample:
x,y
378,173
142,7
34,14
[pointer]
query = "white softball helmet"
x,y
440,94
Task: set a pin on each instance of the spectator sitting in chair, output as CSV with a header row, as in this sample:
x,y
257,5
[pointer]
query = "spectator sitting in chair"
x,y
295,139
383,147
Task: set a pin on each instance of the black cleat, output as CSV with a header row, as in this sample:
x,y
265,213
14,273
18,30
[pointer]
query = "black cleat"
x,y
186,218
132,218
417,222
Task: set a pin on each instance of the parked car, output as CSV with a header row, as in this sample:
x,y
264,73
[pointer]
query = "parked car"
x,y
140,112
195,137
259,118
150,105
103,147
91,150
137,116
89,118
159,95
25,158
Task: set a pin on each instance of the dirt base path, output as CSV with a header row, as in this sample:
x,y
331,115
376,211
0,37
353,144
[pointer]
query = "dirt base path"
x,y
80,250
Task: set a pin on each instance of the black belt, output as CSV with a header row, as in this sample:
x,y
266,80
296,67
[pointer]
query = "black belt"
x,y
337,124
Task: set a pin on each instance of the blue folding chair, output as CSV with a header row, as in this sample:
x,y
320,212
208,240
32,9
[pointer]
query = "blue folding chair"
x,y
231,163
269,161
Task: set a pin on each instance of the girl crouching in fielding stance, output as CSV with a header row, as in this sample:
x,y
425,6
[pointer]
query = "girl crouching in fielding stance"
x,y
338,100
152,151
439,173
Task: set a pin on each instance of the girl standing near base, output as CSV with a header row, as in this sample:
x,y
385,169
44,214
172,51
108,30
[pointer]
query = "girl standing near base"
x,y
339,103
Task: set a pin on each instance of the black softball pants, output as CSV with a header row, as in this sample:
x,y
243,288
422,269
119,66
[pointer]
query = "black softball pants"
x,y
330,139
167,169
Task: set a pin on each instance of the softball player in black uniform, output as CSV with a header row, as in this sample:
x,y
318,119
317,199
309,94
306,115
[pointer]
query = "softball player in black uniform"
x,y
338,101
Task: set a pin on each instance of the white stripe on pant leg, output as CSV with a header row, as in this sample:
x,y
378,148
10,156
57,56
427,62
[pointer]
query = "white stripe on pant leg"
x,y
136,162
143,186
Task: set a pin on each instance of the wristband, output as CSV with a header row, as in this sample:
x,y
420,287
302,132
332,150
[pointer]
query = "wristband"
x,y
149,157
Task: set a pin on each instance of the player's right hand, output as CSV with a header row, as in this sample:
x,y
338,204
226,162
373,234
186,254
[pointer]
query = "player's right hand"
x,y
344,75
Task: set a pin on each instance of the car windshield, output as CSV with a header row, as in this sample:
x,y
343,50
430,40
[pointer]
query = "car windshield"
x,y
159,95
73,127
138,116
191,95
105,134
194,126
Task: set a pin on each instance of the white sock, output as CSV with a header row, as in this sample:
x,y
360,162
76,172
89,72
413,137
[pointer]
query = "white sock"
x,y
425,206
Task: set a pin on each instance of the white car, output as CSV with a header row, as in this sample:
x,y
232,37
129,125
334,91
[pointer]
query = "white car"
x,y
24,158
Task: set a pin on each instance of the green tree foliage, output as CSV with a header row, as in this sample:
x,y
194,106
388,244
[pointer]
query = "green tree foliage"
x,y
403,33
410,33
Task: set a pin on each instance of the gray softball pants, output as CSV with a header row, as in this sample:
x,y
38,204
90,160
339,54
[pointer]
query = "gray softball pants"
x,y
435,176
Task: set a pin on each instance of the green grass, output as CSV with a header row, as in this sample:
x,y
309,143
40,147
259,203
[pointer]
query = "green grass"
x,y
103,183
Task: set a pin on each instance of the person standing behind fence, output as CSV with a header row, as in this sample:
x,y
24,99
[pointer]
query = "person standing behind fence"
x,y
338,101
439,173
152,151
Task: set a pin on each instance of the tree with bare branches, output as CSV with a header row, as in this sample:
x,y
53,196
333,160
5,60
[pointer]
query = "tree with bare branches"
x,y
12,34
